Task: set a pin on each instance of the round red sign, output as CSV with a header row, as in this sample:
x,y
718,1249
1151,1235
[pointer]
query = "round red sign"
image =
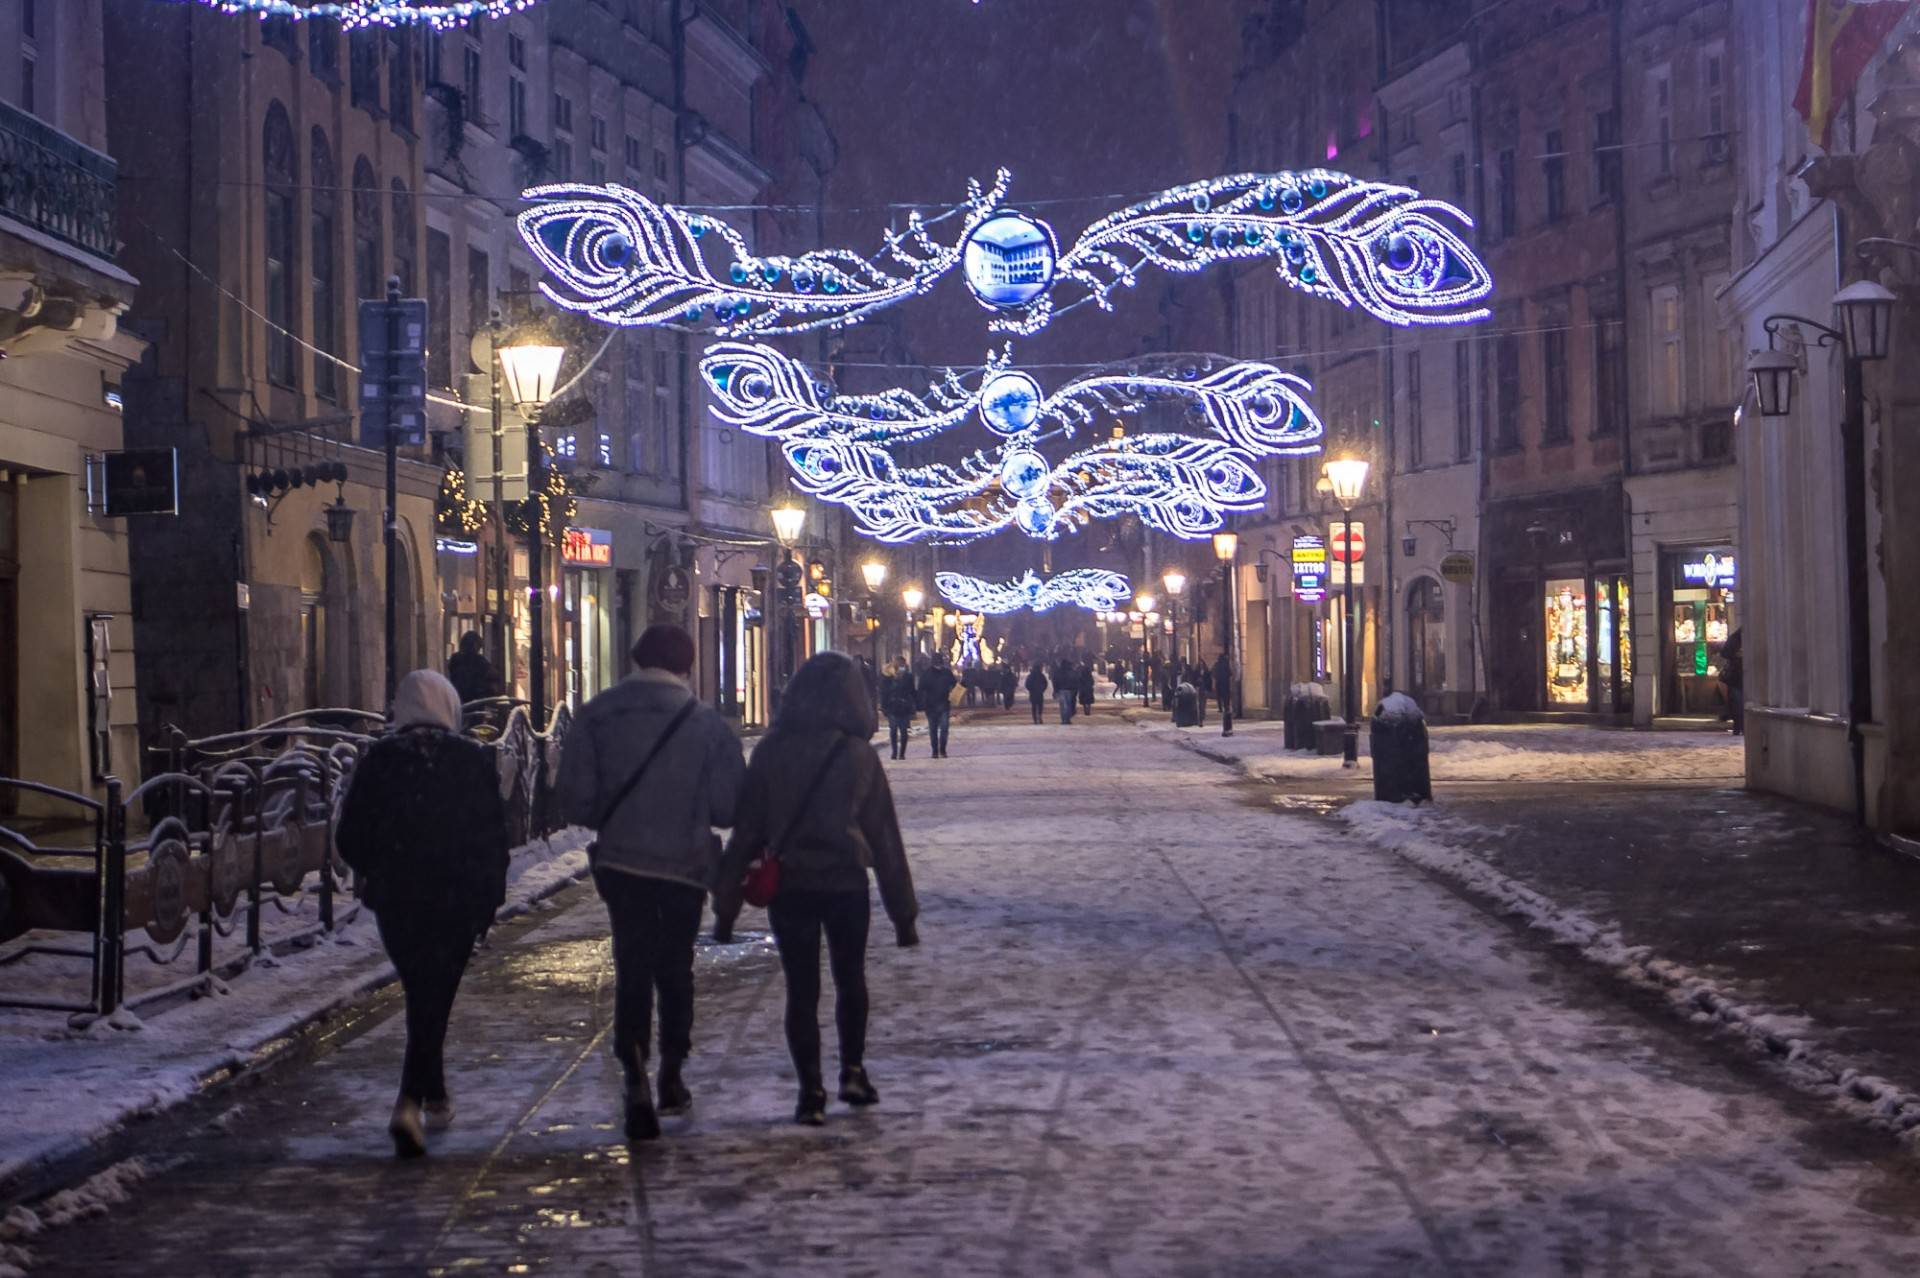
x,y
1342,552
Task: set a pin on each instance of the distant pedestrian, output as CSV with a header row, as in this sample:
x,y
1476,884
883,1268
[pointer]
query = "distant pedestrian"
x,y
470,672
1223,689
424,825
1733,676
1037,691
1009,684
817,798
900,701
936,698
1066,689
1086,688
652,769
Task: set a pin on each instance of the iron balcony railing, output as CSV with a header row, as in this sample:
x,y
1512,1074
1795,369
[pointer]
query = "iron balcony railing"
x,y
56,185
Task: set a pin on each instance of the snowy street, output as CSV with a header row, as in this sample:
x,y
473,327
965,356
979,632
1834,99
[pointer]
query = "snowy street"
x,y
1157,1025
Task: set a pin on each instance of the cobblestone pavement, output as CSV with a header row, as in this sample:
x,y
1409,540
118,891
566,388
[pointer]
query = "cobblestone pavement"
x,y
1155,1028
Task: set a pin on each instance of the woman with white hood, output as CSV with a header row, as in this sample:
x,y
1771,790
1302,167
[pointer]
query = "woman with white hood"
x,y
424,825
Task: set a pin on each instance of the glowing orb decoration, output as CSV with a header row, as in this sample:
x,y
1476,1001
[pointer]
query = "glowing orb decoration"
x,y
1010,402
1091,588
1009,260
623,259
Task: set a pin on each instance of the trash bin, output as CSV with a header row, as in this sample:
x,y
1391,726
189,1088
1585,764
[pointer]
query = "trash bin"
x,y
1186,706
1399,750
1330,736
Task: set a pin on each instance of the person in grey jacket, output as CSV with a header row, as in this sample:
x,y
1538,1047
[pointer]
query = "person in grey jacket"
x,y
656,852
816,797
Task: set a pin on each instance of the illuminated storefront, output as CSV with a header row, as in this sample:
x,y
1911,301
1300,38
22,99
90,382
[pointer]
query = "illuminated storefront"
x,y
1560,614
589,610
1700,615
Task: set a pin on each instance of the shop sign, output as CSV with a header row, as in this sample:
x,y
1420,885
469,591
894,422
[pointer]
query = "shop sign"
x,y
1309,570
671,589
1457,568
455,546
1714,571
587,548
817,605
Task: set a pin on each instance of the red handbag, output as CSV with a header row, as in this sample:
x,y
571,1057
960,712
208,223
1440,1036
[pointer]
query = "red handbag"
x,y
762,880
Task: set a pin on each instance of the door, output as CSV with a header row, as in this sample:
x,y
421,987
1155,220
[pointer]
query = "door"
x,y
1426,641
9,641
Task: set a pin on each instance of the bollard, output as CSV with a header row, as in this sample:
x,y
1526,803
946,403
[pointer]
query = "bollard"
x,y
1399,750
1290,718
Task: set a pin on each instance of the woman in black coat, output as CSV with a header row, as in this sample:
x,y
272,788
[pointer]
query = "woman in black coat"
x,y
1037,691
424,825
817,799
1086,687
899,700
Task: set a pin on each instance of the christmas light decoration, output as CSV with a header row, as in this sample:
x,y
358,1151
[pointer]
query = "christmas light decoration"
x,y
624,259
1091,588
384,13
454,511
839,447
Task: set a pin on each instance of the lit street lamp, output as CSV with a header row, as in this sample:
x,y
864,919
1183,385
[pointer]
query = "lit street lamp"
x,y
875,573
911,598
789,524
1225,546
530,371
1347,479
1175,581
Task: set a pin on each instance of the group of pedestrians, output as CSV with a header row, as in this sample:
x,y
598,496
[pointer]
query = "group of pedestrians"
x,y
1071,682
903,694
652,771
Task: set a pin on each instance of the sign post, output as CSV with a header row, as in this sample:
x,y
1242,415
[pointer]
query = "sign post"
x,y
393,411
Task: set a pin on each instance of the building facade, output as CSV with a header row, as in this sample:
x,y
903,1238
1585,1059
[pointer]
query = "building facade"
x,y
67,655
1833,712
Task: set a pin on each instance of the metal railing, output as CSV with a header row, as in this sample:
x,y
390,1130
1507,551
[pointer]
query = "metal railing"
x,y
57,185
234,825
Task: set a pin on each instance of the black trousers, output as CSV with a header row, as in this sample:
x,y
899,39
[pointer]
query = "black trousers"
x,y
938,718
654,922
798,920
430,954
899,726
1039,701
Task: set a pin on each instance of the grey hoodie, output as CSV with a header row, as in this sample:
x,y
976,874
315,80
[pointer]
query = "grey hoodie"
x,y
664,829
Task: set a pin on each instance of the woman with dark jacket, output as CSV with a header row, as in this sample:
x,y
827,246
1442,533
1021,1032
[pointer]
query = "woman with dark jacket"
x,y
817,799
424,825
899,700
1037,691
1086,687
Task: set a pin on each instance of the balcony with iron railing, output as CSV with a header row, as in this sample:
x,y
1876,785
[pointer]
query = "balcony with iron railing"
x,y
56,185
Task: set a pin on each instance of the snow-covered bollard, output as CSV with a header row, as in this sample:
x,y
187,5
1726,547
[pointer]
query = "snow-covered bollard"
x,y
1399,750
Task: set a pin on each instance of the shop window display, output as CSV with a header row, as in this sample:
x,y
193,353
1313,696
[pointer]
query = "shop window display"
x,y
1566,617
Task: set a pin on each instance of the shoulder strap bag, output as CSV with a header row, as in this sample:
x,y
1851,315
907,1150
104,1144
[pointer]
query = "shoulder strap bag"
x,y
633,781
762,881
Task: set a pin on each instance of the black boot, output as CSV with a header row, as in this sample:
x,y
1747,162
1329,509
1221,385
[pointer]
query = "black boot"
x,y
642,1122
856,1088
674,1096
812,1109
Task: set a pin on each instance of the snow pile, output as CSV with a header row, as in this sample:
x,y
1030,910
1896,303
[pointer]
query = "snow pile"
x,y
1419,835
1500,752
67,1086
1399,705
92,1197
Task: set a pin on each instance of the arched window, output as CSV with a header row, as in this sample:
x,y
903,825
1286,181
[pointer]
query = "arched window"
x,y
282,178
326,300
1426,637
405,246
366,232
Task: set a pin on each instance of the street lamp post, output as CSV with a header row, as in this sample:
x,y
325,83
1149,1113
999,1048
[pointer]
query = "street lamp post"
x,y
911,598
1865,311
1226,545
530,368
1175,581
1348,478
789,523
875,573
1148,620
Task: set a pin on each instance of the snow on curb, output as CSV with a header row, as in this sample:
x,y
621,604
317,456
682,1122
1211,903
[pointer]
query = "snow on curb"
x,y
1415,834
122,1068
